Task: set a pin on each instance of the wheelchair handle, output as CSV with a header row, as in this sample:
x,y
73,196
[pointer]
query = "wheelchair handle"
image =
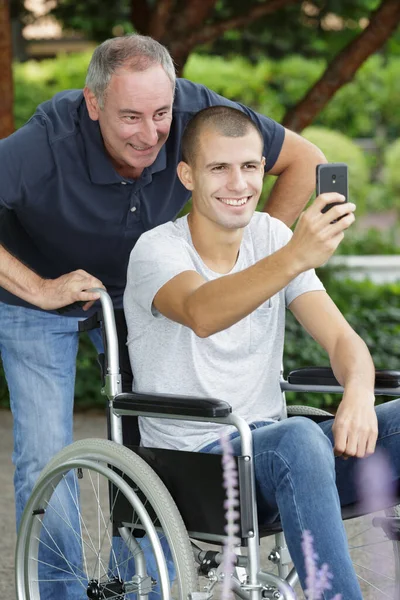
x,y
111,348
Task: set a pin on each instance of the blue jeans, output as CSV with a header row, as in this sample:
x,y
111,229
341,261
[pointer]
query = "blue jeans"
x,y
298,478
39,351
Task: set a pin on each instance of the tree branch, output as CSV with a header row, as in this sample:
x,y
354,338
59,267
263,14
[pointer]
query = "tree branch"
x,y
197,11
211,32
383,21
141,16
160,18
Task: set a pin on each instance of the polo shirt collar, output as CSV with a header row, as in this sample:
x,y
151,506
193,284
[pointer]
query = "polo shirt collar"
x,y
101,170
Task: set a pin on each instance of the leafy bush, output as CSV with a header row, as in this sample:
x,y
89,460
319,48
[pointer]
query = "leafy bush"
x,y
292,77
391,172
374,314
371,241
35,82
238,80
337,147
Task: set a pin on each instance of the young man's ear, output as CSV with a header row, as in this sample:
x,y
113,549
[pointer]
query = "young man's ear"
x,y
263,165
92,104
185,175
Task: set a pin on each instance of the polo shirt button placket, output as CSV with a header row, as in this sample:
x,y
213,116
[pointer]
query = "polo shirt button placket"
x,y
133,209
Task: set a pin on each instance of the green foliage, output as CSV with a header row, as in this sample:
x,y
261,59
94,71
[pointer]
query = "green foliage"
x,y
392,171
293,76
36,82
357,106
374,314
337,147
112,19
370,241
238,80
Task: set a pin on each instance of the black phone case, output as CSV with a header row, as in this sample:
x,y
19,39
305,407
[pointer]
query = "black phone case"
x,y
332,177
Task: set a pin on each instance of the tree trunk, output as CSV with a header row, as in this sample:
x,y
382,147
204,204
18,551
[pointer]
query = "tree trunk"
x,y
181,25
6,82
341,70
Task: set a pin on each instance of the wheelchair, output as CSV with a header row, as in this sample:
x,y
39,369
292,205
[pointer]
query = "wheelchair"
x,y
138,508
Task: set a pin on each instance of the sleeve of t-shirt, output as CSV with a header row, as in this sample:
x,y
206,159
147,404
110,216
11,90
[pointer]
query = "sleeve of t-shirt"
x,y
192,97
155,260
307,281
25,161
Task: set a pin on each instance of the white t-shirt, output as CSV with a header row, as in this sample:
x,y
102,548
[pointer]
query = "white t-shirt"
x,y
240,365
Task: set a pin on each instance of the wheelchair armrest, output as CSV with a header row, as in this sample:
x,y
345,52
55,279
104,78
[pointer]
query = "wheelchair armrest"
x,y
168,404
324,376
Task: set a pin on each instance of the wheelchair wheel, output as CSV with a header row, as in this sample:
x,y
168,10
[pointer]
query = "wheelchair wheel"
x,y
376,558
101,524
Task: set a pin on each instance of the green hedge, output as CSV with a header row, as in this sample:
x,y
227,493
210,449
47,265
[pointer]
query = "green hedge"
x,y
392,171
372,310
357,109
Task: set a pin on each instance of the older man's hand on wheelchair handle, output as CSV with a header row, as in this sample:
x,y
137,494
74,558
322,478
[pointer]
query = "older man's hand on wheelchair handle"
x,y
318,234
355,429
69,289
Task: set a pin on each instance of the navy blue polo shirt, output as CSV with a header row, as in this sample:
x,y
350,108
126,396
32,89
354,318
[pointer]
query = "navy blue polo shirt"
x,y
64,207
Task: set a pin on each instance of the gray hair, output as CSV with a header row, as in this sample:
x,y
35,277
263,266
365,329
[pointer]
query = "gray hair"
x,y
134,52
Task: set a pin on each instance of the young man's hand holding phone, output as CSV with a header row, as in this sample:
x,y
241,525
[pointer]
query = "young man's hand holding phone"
x,y
317,234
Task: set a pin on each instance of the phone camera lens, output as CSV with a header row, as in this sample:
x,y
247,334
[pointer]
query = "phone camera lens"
x,y
333,178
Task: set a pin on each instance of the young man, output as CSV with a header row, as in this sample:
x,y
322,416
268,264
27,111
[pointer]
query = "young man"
x,y
79,183
212,288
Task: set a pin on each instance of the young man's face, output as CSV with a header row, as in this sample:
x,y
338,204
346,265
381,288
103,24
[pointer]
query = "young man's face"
x,y
226,178
136,117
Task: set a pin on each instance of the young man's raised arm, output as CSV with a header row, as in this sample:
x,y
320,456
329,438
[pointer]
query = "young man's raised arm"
x,y
355,429
209,307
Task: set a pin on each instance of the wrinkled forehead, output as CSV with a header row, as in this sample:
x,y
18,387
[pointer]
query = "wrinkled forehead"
x,y
140,91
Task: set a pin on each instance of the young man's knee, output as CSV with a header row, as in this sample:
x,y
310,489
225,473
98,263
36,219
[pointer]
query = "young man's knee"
x,y
307,441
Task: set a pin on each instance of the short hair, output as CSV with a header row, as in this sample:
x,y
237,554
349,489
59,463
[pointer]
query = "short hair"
x,y
226,120
134,52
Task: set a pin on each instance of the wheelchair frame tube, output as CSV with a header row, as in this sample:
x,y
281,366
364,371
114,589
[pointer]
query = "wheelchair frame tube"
x,y
331,389
113,382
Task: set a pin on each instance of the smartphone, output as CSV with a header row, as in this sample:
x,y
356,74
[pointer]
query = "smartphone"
x,y
332,177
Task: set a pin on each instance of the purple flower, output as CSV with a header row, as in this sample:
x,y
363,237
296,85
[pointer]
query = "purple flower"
x,y
230,483
375,482
317,579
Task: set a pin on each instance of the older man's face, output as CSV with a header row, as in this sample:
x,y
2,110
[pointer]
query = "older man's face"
x,y
136,118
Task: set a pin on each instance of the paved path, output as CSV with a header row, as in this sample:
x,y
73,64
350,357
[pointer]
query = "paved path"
x,y
86,425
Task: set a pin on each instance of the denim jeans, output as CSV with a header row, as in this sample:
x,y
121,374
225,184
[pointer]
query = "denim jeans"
x,y
298,477
38,352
